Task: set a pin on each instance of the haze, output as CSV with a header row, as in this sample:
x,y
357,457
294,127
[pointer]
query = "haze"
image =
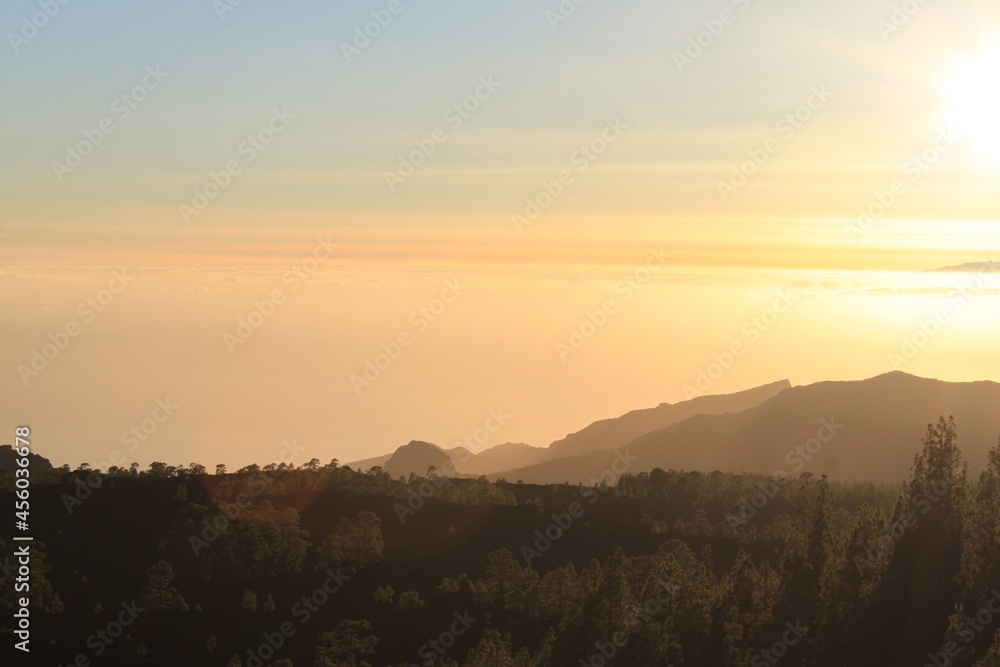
x,y
874,158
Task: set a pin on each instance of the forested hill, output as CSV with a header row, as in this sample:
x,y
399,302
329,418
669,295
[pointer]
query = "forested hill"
x,y
322,565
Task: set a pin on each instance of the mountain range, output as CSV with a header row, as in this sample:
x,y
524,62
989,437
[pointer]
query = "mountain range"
x,y
853,430
971,267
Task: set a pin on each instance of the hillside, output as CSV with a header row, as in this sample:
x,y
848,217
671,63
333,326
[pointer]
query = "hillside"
x,y
601,435
613,433
876,423
500,457
416,457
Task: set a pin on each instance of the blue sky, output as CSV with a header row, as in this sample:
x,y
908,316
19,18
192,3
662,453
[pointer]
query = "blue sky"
x,y
354,119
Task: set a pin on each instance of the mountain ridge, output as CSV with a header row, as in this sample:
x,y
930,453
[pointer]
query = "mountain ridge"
x,y
601,435
881,422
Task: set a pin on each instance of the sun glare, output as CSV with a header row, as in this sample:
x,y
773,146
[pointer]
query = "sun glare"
x,y
972,91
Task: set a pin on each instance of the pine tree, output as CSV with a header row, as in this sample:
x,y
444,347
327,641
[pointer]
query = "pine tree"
x,y
556,591
852,573
503,575
980,564
350,643
979,578
741,610
493,650
927,533
158,594
384,595
249,601
353,542
802,569
409,600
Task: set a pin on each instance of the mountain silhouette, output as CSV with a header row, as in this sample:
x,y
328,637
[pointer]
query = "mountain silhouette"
x,y
613,433
873,429
601,435
970,267
416,457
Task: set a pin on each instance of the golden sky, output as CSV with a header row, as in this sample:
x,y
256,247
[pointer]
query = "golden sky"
x,y
832,152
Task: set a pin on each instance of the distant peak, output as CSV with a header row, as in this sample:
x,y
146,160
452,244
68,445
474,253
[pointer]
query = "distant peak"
x,y
898,375
414,444
784,384
970,267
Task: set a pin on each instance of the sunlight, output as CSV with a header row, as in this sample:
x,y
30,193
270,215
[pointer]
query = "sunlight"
x,y
973,101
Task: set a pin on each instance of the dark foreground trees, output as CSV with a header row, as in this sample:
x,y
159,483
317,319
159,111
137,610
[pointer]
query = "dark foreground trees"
x,y
318,566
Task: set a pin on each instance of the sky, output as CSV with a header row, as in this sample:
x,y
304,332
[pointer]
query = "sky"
x,y
516,169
